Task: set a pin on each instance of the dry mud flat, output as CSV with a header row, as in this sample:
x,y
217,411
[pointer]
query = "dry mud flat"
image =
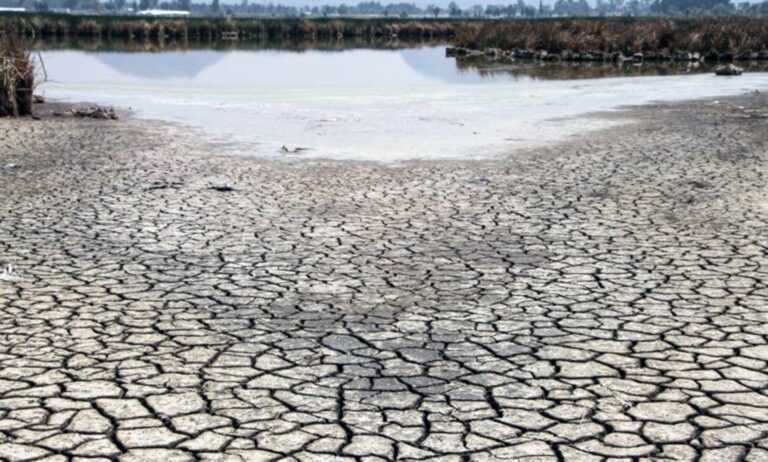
x,y
601,300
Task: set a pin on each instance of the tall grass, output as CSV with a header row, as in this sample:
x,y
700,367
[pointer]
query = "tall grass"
x,y
17,77
48,25
205,43
711,35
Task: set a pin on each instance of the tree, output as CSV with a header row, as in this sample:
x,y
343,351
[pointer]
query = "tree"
x,y
676,6
454,10
215,6
476,11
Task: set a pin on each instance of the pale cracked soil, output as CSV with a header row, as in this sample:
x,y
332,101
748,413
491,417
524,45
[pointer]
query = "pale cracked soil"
x,y
604,299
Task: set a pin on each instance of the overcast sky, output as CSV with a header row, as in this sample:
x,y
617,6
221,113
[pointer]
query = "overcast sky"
x,y
420,3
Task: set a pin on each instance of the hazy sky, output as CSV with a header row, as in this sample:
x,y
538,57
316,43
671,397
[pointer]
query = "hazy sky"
x,y
420,3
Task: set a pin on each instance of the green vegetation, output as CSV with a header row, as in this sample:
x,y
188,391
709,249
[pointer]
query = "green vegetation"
x,y
732,35
17,77
62,25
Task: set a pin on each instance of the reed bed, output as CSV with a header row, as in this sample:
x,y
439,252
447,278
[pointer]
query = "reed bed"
x,y
710,35
48,25
17,77
206,43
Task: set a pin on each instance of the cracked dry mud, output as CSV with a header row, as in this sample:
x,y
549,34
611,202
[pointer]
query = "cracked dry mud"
x,y
601,300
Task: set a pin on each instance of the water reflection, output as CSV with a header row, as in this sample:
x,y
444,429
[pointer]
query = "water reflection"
x,y
157,60
487,68
247,70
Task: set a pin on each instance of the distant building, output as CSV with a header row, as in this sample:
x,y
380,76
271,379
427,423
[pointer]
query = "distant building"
x,y
4,9
171,13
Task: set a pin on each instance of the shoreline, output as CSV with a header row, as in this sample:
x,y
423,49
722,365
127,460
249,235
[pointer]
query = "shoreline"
x,y
603,297
558,128
631,117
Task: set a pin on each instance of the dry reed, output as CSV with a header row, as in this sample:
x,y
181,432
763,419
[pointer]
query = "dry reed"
x,y
710,35
17,77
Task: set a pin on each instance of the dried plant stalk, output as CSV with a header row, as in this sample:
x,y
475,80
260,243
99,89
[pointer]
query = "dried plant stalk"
x,y
17,77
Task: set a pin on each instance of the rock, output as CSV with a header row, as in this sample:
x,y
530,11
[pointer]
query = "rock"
x,y
37,99
637,56
480,181
460,52
525,54
728,69
286,150
451,52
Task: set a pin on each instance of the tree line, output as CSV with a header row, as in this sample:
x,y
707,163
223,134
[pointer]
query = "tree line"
x,y
520,8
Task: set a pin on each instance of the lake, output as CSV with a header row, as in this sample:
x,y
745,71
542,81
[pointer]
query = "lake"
x,y
366,104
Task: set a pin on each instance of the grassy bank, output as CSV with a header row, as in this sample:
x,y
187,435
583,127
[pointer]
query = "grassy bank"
x,y
17,77
111,27
734,35
249,44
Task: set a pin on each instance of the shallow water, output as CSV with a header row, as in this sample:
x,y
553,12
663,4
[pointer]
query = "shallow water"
x,y
361,104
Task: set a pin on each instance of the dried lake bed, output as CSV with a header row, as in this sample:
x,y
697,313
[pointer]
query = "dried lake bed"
x,y
602,298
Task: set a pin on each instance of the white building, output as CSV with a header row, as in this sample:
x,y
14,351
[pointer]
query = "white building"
x,y
166,13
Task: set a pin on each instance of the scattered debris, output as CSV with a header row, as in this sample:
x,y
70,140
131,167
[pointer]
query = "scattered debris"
x,y
7,274
92,112
480,181
220,186
728,69
700,184
754,114
164,184
286,150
